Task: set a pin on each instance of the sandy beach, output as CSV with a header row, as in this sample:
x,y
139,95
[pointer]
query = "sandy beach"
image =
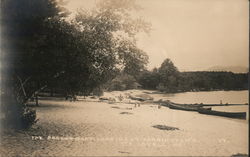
x,y
89,127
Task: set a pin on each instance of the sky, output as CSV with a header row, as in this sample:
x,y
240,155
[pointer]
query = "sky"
x,y
194,34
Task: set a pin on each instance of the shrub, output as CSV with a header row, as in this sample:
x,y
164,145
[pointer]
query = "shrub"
x,y
28,118
19,117
161,87
123,82
98,92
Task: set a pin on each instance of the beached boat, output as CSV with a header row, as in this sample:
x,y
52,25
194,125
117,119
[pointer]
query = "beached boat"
x,y
239,115
223,104
185,107
141,97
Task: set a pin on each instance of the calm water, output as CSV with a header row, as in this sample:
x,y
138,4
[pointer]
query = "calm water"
x,y
213,97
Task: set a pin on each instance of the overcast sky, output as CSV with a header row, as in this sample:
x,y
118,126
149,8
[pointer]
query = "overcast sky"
x,y
194,34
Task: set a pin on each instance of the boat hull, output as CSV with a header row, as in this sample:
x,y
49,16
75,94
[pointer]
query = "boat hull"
x,y
238,115
184,107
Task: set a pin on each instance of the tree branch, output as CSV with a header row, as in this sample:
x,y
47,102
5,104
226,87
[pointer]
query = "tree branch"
x,y
21,84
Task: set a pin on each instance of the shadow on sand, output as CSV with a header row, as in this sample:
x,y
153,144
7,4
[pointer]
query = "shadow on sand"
x,y
164,127
50,104
127,108
126,113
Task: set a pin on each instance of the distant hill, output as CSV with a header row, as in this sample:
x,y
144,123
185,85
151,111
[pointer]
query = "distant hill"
x,y
234,69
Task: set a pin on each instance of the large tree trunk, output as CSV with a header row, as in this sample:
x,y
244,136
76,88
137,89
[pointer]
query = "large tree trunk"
x,y
52,92
13,105
12,109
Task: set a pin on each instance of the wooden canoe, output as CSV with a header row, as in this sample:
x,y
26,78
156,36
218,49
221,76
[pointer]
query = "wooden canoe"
x,y
184,107
239,115
223,104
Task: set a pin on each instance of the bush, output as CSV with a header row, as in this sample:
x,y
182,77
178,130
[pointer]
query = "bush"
x,y
123,82
117,85
19,117
161,87
98,92
28,118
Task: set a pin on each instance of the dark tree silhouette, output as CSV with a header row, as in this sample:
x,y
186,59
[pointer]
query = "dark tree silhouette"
x,y
42,48
168,79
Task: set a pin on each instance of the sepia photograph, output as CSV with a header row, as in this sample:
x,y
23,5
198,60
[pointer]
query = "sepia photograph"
x,y
124,78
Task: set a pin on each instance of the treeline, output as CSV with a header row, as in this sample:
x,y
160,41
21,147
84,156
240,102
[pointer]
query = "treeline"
x,y
214,80
167,78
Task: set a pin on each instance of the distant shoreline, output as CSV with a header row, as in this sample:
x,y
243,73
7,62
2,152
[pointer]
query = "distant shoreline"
x,y
45,94
196,91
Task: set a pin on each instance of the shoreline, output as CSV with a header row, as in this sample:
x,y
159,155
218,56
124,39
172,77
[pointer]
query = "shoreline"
x,y
84,128
219,90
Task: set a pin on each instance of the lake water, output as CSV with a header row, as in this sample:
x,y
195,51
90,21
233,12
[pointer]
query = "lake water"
x,y
211,97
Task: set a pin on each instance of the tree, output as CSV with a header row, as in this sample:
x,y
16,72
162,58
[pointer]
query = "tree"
x,y
169,76
111,30
123,82
133,59
109,34
44,48
149,79
24,58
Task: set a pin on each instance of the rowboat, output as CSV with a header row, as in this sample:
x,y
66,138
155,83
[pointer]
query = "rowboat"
x,y
141,97
200,108
184,107
239,115
223,104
